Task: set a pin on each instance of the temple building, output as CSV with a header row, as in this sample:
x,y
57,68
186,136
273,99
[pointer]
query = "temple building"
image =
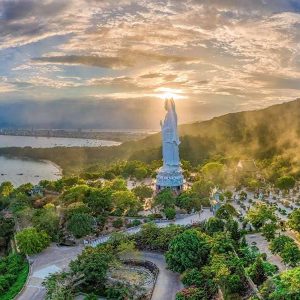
x,y
170,174
246,167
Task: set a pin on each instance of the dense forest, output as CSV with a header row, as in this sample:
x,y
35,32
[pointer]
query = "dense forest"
x,y
259,134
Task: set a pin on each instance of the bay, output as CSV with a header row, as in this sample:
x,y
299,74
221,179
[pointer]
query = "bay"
x,y
45,142
19,171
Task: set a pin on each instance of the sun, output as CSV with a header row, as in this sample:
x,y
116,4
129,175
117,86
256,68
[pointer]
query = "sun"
x,y
167,93
168,96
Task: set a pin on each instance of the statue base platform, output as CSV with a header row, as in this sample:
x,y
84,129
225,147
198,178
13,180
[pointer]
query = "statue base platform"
x,y
170,177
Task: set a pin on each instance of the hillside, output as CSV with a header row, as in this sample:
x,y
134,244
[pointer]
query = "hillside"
x,y
258,134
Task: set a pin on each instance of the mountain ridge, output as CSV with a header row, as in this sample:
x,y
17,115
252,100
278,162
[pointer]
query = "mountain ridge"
x,y
257,134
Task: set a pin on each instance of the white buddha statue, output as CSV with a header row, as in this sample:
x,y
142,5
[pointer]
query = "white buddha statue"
x,y
170,174
170,136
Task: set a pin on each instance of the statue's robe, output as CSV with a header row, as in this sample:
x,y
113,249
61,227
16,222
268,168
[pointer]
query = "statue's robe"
x,y
170,136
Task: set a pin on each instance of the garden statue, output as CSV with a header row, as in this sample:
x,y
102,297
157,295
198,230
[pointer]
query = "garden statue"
x,y
170,174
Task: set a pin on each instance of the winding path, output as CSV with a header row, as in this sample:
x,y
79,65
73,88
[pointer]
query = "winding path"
x,y
56,259
168,283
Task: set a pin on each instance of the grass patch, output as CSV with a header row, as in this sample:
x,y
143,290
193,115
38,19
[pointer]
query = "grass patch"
x,y
19,283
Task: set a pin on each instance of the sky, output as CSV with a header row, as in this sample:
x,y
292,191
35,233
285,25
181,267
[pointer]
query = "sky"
x,y
110,64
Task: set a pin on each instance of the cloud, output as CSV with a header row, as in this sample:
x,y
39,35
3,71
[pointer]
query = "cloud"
x,y
125,60
237,53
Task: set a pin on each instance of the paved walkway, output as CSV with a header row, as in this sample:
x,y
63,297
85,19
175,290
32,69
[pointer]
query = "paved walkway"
x,y
168,283
263,245
55,259
188,220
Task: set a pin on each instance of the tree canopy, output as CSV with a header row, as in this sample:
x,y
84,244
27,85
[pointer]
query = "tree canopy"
x,y
32,241
188,250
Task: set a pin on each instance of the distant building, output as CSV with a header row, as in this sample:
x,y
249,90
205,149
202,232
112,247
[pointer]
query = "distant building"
x,y
246,167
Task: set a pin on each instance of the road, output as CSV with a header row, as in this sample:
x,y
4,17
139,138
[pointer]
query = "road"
x,y
55,259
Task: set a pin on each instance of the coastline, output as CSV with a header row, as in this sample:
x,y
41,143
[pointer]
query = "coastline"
x,y
60,169
33,170
106,136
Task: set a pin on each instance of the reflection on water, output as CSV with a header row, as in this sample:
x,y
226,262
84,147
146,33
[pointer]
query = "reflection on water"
x,y
44,142
19,171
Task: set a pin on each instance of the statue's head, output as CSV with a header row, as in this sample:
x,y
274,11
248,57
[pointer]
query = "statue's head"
x,y
169,104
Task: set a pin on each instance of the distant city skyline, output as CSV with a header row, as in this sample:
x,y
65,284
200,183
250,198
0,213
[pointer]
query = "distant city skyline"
x,y
84,63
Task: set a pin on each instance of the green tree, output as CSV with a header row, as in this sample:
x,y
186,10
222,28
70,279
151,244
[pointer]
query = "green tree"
x,y
191,293
6,188
75,194
80,224
60,286
232,227
185,200
153,238
214,225
6,230
165,198
290,254
118,223
259,214
76,208
170,213
117,184
285,182
228,195
287,249
221,244
269,230
226,211
188,250
31,241
94,263
47,220
214,171
287,285
253,184
202,188
294,220
125,203
279,242
143,192
201,280
257,272
19,201
24,188
100,200
140,173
